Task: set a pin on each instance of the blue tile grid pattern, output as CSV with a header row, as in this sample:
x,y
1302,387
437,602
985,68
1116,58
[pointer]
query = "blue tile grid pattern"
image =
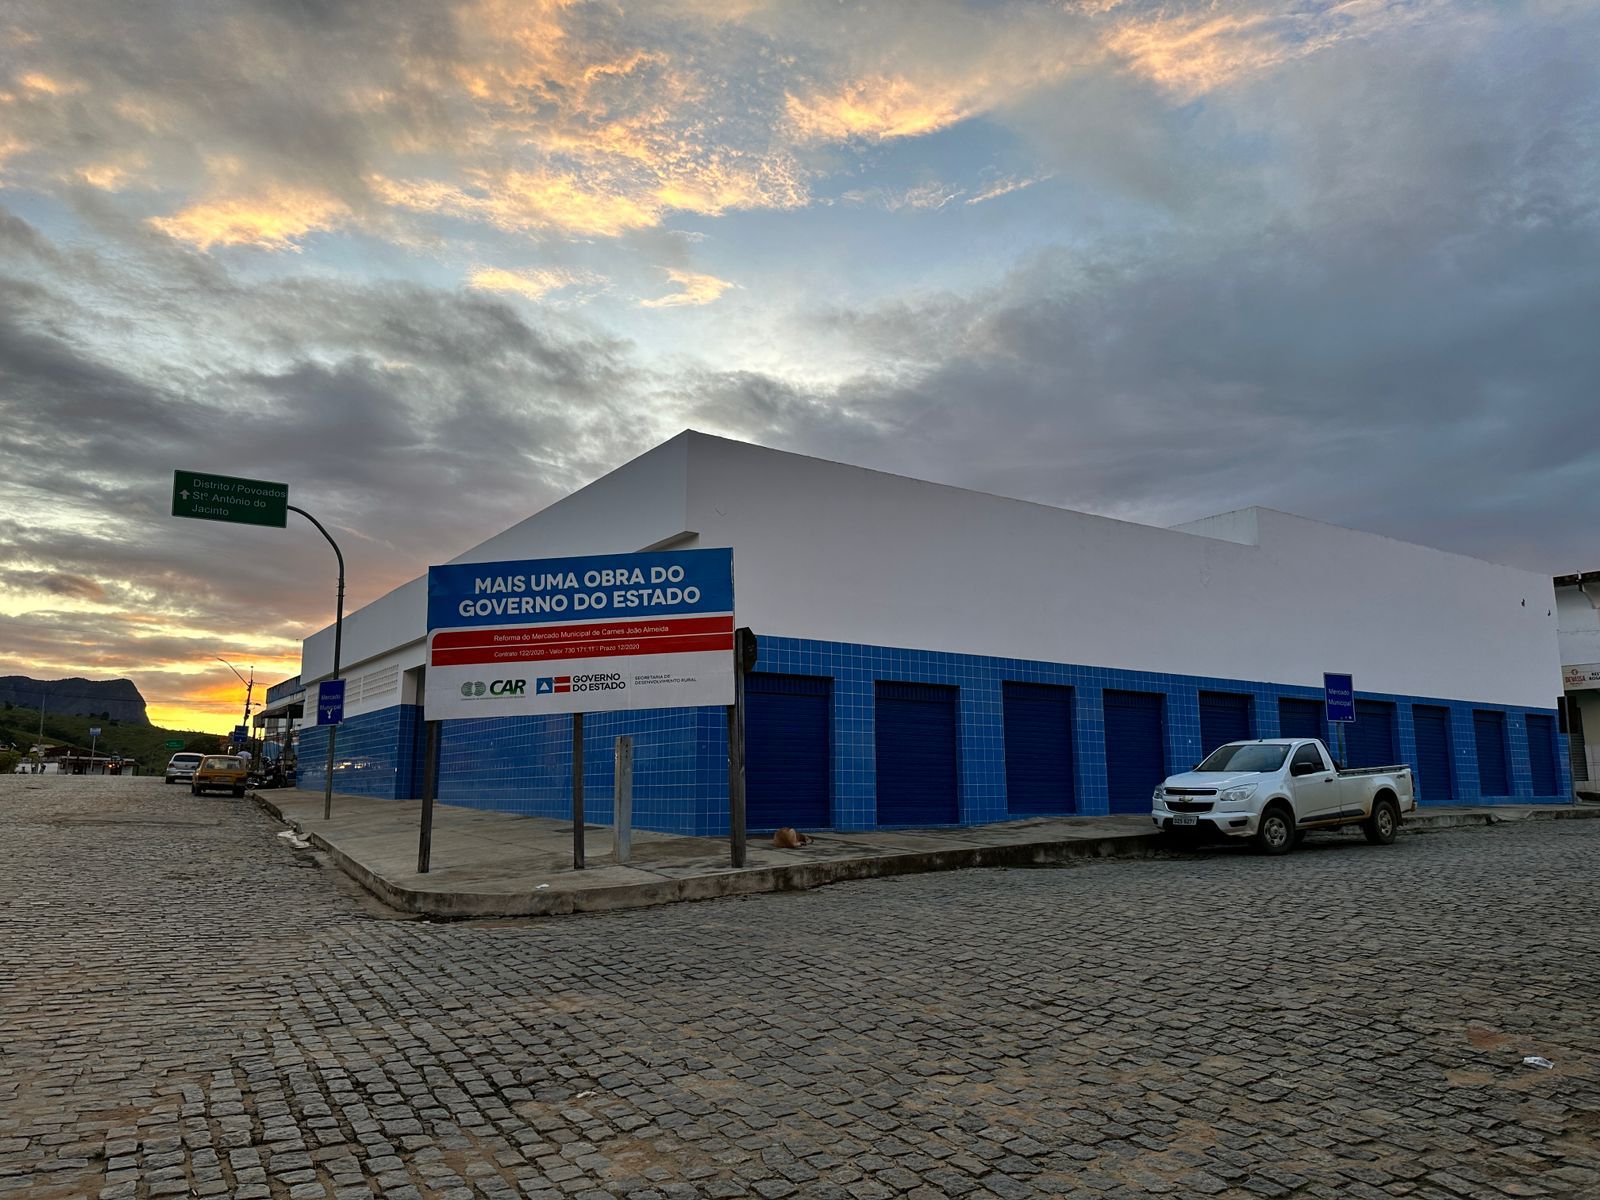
x,y
524,764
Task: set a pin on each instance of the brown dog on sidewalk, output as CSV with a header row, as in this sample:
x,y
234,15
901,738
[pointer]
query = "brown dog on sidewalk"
x,y
788,839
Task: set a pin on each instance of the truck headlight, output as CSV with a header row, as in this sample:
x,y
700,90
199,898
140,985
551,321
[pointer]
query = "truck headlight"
x,y
1159,794
1235,794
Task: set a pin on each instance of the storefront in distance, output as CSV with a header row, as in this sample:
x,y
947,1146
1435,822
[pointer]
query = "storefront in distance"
x,y
1578,615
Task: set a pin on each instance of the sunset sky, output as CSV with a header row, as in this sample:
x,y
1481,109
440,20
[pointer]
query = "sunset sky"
x,y
437,264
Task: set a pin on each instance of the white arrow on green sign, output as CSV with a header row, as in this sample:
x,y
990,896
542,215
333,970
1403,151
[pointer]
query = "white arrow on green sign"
x,y
209,497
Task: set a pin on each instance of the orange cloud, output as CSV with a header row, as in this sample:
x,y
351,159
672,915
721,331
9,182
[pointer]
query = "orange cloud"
x,y
519,200
1192,55
37,81
531,284
1197,52
694,290
272,220
884,107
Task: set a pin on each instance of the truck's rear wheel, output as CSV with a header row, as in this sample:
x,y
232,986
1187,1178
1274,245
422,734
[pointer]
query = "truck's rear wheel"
x,y
1275,833
1384,822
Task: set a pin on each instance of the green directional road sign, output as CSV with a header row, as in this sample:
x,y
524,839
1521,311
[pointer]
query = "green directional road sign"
x,y
174,744
224,498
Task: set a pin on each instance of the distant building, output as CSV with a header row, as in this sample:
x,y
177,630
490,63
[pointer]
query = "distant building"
x,y
930,655
1578,614
279,718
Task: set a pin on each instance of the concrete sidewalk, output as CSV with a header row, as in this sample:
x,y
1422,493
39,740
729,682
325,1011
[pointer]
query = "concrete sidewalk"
x,y
491,864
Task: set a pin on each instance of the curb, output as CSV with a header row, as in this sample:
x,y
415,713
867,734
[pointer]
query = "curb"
x,y
796,877
1484,817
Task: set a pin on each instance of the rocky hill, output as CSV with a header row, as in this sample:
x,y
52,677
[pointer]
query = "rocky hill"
x,y
116,699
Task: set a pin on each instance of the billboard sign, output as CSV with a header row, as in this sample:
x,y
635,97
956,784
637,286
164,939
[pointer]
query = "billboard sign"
x,y
1339,696
330,702
596,633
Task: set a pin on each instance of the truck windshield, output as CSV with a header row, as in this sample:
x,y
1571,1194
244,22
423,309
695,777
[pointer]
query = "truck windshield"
x,y
1243,756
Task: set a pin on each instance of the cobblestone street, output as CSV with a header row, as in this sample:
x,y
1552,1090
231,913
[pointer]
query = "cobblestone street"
x,y
190,1006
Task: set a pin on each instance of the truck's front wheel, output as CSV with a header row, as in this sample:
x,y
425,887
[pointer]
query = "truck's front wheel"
x,y
1275,834
1383,824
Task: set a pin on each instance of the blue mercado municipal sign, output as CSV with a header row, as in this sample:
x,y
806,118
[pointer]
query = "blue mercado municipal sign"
x,y
590,587
330,702
1339,695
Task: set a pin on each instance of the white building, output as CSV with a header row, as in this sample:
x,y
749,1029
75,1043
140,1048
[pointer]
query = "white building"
x,y
935,655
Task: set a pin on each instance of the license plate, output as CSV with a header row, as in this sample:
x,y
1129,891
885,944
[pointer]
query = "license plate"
x,y
1185,819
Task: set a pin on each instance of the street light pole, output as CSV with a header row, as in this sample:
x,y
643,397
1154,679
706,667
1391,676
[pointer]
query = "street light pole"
x,y
338,634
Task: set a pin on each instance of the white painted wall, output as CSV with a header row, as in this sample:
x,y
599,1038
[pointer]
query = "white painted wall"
x,y
827,551
823,550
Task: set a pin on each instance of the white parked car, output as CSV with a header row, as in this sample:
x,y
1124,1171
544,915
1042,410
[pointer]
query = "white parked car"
x,y
181,766
1272,791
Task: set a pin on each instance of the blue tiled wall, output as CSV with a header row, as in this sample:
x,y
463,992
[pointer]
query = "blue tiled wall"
x,y
524,764
376,754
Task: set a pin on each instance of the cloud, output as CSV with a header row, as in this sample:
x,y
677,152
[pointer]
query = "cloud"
x,y
1004,187
1389,335
381,405
694,289
275,220
931,195
56,583
517,200
1192,49
552,117
531,284
882,108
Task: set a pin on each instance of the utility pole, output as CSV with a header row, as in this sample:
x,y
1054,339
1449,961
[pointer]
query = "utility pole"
x,y
249,689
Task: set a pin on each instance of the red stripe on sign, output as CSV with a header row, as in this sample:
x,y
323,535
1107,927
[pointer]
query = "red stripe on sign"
x,y
543,635
622,647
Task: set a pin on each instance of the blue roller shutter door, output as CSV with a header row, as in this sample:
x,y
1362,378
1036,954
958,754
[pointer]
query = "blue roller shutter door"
x,y
1433,754
1224,718
787,764
1369,742
1489,732
1542,755
1135,761
916,749
1299,718
1038,731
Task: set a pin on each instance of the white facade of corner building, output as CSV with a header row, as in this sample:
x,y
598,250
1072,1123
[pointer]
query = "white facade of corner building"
x,y
828,553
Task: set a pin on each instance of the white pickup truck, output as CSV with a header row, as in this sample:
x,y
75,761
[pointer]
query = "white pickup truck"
x,y
1272,791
